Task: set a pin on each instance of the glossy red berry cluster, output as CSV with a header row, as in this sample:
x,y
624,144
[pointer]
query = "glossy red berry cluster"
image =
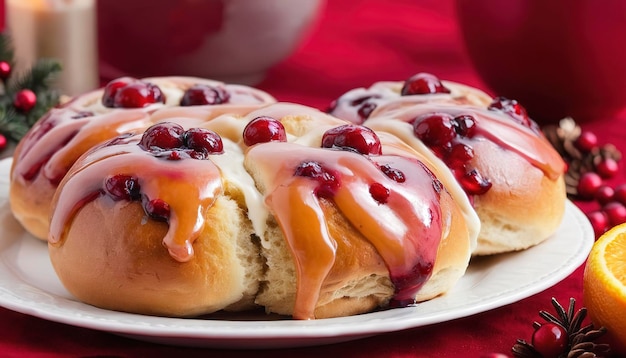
x,y
201,94
593,186
127,187
512,108
128,92
328,181
447,136
123,187
172,141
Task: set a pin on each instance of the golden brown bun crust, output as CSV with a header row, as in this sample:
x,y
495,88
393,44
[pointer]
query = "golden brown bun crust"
x,y
124,266
30,203
523,206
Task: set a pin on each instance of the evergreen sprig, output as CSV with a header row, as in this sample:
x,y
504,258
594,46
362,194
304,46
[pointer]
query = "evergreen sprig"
x,y
13,123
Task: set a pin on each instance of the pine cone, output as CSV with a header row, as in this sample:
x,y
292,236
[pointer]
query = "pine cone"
x,y
563,138
583,346
580,339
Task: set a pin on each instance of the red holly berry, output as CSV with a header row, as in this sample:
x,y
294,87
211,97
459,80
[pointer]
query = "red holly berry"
x,y
586,141
604,194
550,339
5,70
607,168
599,222
615,212
620,193
24,100
588,185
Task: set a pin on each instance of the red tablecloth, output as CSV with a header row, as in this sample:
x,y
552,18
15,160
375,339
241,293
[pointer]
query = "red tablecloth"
x,y
356,43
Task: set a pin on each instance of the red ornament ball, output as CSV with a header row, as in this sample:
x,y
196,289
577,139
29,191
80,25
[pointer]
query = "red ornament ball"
x,y
3,142
5,70
24,100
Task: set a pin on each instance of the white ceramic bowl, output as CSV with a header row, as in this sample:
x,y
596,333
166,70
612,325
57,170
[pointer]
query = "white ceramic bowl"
x,y
229,40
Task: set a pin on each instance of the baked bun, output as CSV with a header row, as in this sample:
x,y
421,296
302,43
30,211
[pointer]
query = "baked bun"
x,y
512,175
49,149
359,104
285,208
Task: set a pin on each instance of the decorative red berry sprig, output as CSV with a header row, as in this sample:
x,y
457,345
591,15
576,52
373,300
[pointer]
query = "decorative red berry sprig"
x,y
24,97
562,335
591,166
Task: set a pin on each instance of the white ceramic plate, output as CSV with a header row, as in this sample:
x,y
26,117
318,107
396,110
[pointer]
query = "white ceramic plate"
x,y
29,285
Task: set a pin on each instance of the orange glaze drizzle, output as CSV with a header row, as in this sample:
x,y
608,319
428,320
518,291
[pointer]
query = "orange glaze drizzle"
x,y
58,139
189,186
498,128
406,230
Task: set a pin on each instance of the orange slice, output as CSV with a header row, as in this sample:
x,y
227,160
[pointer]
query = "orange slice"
x,y
604,285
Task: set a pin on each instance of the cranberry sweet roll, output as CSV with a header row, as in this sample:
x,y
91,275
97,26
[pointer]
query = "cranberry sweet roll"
x,y
45,154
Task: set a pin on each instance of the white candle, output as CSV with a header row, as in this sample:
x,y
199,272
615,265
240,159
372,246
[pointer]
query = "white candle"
x,y
61,29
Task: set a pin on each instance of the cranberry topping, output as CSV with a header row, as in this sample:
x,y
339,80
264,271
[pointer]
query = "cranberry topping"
x,y
363,104
366,107
513,109
465,125
435,129
437,186
459,155
110,90
157,209
205,141
199,94
436,183
83,114
413,279
379,192
354,138
162,136
123,187
328,181
473,183
264,129
172,141
423,83
393,173
128,92
137,95
447,136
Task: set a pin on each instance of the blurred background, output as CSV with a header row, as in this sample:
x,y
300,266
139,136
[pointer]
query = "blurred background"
x,y
558,58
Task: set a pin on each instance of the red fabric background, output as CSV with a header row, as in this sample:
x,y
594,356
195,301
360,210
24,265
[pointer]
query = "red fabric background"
x,y
356,42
